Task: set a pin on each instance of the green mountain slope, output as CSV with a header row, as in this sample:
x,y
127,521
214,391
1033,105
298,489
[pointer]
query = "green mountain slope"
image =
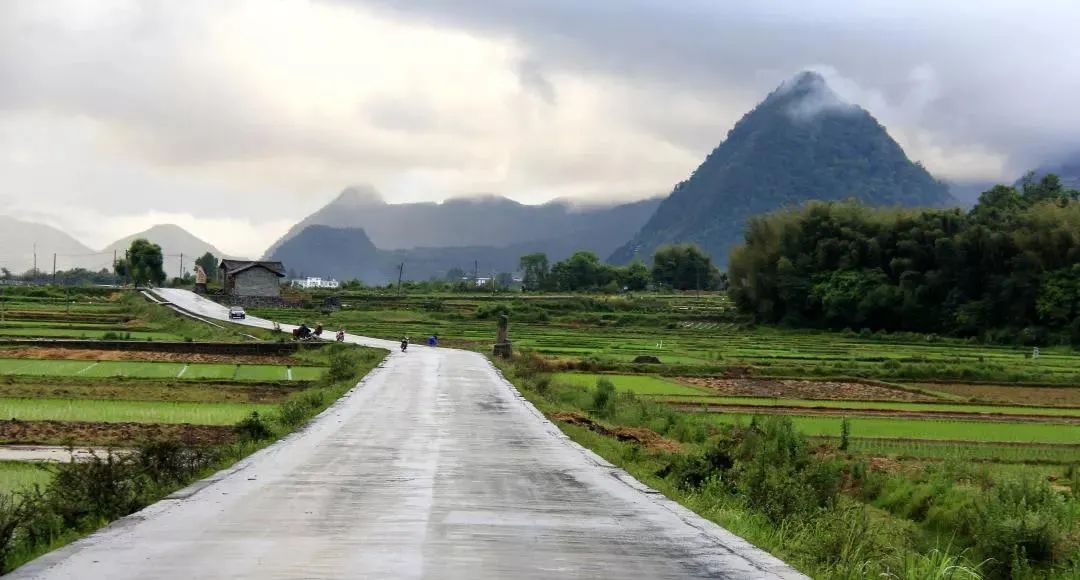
x,y
801,143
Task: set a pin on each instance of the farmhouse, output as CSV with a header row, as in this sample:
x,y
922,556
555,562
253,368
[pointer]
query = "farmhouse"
x,y
243,278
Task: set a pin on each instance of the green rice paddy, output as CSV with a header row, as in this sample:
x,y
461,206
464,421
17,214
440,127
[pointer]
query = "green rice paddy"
x,y
128,411
157,370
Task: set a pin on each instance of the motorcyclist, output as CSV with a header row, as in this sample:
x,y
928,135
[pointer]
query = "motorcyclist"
x,y
404,344
341,335
318,329
303,332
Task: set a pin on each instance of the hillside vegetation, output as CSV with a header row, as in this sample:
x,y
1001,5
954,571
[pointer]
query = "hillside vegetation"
x,y
1009,269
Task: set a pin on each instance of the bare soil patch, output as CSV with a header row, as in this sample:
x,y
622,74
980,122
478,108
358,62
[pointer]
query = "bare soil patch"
x,y
804,389
1013,394
645,437
145,356
194,392
110,434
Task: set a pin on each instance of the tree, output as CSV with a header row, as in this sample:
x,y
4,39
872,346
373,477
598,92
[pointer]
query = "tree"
x,y
209,263
143,263
534,268
682,267
5,273
582,271
503,280
636,276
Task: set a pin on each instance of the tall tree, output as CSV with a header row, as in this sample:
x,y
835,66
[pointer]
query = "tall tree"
x,y
209,264
683,267
143,263
534,268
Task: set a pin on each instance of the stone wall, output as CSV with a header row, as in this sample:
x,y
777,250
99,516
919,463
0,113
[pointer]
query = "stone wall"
x,y
256,282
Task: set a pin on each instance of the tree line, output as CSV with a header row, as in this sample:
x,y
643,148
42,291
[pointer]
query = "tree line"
x,y
1007,269
675,267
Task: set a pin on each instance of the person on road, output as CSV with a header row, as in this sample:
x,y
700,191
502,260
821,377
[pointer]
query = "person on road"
x,y
404,344
341,335
433,340
318,330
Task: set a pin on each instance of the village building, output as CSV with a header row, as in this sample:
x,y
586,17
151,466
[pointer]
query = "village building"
x,y
243,278
314,282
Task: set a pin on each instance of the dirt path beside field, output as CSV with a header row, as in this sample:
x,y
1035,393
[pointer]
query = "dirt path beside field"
x,y
109,434
888,413
37,352
804,389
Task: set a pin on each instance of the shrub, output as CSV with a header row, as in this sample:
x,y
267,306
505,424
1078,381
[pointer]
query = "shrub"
x,y
1021,520
170,462
343,366
253,428
99,488
292,412
603,402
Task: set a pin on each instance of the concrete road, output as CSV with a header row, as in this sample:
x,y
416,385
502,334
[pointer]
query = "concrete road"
x,y
432,467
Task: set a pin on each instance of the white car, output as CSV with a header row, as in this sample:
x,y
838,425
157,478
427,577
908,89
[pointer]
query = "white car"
x,y
237,313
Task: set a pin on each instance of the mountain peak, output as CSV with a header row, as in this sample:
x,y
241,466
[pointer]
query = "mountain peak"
x,y
806,95
358,196
802,142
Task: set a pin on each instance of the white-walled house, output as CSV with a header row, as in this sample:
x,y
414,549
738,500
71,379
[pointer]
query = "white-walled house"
x,y
313,282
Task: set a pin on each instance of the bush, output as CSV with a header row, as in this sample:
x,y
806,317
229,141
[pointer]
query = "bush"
x,y
1021,520
100,488
170,462
292,412
343,365
253,428
603,403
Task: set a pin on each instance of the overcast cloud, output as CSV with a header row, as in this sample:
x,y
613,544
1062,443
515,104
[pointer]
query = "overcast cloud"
x,y
235,119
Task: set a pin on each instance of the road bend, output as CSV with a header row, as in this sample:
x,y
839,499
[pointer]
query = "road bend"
x,y
432,467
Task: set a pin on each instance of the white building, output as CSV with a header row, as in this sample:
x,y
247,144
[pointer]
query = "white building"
x,y
310,282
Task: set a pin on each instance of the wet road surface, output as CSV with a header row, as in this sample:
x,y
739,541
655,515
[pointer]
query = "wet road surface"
x,y
432,467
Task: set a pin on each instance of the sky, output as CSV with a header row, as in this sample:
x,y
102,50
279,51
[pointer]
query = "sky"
x,y
235,119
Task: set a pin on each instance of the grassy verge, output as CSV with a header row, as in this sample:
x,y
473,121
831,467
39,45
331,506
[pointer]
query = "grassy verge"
x,y
19,475
830,513
85,496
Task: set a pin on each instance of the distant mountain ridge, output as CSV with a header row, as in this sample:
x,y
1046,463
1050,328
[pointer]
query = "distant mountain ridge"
x,y
487,232
18,239
174,241
801,143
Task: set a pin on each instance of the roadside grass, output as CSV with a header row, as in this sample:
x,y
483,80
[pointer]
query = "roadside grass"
x,y
159,469
1019,453
128,411
20,475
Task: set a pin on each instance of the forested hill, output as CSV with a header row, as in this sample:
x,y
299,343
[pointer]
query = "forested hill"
x,y
1007,270
801,143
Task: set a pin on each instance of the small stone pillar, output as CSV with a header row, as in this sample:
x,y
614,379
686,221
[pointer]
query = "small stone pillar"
x,y
502,340
200,280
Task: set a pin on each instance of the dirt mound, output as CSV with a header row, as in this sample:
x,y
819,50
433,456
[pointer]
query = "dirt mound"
x,y
110,434
36,352
805,389
647,359
645,437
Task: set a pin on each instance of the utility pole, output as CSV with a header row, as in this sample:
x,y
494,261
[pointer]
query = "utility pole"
x,y
181,264
54,268
35,260
3,304
476,273
400,271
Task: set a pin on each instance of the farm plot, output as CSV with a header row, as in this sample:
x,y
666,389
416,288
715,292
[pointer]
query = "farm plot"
x,y
160,370
18,475
928,429
638,384
127,411
803,389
